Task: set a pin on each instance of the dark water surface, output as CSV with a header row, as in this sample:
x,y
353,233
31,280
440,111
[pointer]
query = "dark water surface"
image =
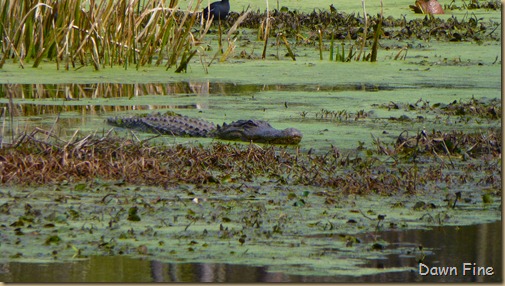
x,y
445,247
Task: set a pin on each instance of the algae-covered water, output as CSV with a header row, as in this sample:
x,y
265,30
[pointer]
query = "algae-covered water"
x,y
351,205
455,240
322,113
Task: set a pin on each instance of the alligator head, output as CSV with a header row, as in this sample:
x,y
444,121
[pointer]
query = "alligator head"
x,y
257,131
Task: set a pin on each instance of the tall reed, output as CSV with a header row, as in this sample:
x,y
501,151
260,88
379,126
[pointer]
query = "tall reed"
x,y
98,32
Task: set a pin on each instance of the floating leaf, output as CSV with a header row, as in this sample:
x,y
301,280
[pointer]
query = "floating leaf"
x,y
73,213
419,206
292,196
487,199
17,255
53,239
80,187
132,214
19,222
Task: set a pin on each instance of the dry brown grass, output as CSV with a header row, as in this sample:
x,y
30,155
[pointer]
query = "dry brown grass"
x,y
41,158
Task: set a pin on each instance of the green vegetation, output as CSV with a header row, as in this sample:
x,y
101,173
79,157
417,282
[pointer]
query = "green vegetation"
x,y
103,33
240,204
416,135
35,162
75,33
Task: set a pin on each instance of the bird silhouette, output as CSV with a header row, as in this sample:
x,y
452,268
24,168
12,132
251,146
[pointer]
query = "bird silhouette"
x,y
219,10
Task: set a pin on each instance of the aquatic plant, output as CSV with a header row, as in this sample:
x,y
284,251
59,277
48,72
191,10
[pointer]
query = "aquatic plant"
x,y
471,109
40,157
76,33
473,5
349,26
103,33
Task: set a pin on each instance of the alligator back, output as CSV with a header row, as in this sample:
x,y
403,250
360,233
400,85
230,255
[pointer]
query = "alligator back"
x,y
170,124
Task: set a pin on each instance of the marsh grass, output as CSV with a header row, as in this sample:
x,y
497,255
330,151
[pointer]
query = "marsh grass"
x,y
40,157
377,28
288,46
264,32
231,40
340,55
99,33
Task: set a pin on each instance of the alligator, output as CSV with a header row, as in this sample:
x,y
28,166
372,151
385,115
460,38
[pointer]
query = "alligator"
x,y
171,123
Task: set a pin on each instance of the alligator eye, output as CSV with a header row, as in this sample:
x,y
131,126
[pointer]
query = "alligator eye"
x,y
251,123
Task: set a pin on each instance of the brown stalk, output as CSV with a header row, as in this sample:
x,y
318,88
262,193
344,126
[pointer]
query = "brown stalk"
x,y
231,44
365,28
398,55
320,33
266,33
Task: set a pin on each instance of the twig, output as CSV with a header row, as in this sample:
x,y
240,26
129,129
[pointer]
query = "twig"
x,y
290,52
365,215
190,223
364,31
135,136
11,111
267,31
150,138
79,144
4,111
448,153
52,127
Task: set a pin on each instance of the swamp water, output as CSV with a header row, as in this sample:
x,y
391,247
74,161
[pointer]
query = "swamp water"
x,y
358,111
307,233
395,154
450,246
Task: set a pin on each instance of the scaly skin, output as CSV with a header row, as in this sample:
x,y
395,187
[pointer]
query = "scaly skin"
x,y
242,130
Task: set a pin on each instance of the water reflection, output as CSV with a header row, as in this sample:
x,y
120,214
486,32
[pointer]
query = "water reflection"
x,y
38,99
450,246
91,99
68,107
183,88
102,90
